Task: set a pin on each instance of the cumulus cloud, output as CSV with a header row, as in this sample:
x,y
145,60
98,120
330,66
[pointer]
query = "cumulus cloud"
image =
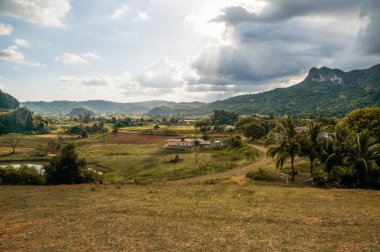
x,y
5,29
165,73
22,43
13,54
91,55
119,12
71,58
142,16
42,12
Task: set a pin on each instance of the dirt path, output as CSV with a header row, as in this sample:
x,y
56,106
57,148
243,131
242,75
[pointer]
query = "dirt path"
x,y
236,174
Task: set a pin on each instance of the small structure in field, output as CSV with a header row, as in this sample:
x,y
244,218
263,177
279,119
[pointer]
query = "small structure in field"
x,y
300,129
185,143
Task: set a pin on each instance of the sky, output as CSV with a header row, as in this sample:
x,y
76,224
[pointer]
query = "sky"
x,y
176,50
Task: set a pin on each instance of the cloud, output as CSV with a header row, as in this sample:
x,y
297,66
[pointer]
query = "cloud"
x,y
119,12
278,44
165,73
91,55
124,80
22,43
369,36
142,16
43,12
279,10
13,54
71,58
5,29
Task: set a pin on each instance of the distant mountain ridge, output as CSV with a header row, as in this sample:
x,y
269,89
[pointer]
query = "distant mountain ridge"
x,y
324,92
97,106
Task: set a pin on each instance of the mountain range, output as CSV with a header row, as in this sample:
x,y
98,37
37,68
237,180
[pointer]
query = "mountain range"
x,y
324,92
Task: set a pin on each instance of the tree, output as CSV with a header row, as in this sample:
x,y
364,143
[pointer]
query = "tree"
x,y
288,144
66,168
223,117
13,140
310,143
115,131
363,119
253,130
361,157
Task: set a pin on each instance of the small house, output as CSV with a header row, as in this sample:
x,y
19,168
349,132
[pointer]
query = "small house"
x,y
185,143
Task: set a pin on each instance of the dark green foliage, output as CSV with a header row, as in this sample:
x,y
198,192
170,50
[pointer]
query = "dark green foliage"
x,y
175,160
20,120
363,119
24,175
262,175
233,142
8,102
223,117
254,130
67,168
81,112
40,151
85,130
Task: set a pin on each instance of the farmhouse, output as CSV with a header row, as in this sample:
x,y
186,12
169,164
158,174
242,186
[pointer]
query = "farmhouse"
x,y
185,143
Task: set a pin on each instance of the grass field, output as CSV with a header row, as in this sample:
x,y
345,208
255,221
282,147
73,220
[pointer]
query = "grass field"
x,y
222,217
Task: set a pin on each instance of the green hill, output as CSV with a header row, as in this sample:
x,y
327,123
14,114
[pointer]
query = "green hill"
x,y
7,101
81,112
325,92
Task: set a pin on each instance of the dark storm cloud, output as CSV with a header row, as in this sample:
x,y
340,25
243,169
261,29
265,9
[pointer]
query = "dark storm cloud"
x,y
286,39
369,37
280,10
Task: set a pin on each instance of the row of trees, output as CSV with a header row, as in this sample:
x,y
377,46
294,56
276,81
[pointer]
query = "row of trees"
x,y
347,156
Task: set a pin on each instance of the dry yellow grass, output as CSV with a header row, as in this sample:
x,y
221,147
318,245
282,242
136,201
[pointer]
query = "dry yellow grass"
x,y
221,217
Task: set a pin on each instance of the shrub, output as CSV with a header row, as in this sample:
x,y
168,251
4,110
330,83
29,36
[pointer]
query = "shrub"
x,y
40,151
262,175
24,175
67,168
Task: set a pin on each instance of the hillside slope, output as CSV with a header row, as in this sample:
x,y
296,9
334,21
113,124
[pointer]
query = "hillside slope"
x,y
7,101
325,92
97,106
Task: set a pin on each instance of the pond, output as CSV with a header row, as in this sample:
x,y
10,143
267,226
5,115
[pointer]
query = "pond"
x,y
38,167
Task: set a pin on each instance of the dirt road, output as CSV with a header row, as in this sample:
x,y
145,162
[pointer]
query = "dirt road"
x,y
236,174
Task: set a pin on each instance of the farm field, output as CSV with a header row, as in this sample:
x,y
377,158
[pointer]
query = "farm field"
x,y
225,216
134,157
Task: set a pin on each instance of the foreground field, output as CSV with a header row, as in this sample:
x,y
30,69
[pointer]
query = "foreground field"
x,y
188,217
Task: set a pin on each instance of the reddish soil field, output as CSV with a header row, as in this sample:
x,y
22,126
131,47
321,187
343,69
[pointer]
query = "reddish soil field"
x,y
130,138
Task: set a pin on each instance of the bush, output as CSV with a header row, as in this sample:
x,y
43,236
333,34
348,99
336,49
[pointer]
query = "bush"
x,y
24,175
67,168
40,151
262,175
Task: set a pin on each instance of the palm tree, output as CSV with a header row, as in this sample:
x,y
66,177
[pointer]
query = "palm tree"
x,y
332,149
361,156
310,143
288,140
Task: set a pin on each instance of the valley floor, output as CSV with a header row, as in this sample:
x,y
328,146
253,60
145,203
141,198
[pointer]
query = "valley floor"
x,y
221,217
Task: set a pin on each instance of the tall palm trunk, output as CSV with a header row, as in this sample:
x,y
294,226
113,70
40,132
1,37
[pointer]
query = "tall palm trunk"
x,y
311,166
292,172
